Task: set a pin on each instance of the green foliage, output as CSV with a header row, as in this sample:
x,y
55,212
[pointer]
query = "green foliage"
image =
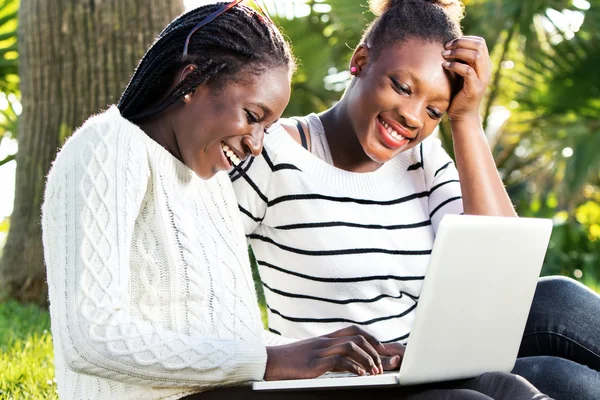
x,y
9,117
574,248
323,43
260,293
547,150
553,95
26,354
571,253
9,69
4,225
9,55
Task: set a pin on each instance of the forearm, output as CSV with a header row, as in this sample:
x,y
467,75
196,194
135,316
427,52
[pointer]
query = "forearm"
x,y
482,188
150,355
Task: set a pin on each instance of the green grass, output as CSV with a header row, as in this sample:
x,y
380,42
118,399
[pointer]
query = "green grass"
x,y
26,355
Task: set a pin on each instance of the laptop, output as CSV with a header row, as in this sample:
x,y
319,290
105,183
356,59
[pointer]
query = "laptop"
x,y
472,311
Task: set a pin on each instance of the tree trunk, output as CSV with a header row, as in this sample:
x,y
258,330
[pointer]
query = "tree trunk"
x,y
76,58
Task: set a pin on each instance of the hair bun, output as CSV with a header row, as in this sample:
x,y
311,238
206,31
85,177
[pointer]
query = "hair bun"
x,y
453,8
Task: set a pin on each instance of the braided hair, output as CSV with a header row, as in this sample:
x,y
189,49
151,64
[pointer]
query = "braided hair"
x,y
435,21
239,40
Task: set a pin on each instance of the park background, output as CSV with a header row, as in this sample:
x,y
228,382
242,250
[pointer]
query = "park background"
x,y
61,61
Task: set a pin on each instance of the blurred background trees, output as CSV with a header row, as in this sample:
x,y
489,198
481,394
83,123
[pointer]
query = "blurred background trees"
x,y
542,111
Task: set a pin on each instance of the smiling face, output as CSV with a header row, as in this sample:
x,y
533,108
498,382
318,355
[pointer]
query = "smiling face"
x,y
396,101
221,125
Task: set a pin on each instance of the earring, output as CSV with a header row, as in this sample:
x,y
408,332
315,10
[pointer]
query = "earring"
x,y
187,96
353,70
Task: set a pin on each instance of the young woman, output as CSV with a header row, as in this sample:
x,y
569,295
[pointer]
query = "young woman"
x,y
342,207
150,289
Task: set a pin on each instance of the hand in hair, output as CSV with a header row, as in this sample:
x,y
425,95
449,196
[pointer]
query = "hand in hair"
x,y
350,350
468,57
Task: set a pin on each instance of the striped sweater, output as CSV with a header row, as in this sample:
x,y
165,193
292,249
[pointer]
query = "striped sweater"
x,y
335,247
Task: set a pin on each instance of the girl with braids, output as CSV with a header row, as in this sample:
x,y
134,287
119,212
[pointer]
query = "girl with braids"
x,y
342,207
151,294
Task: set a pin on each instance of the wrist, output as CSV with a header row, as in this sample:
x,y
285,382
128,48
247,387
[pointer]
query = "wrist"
x,y
466,118
270,363
466,126
273,368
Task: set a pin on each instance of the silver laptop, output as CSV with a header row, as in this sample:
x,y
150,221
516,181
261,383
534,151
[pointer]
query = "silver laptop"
x,y
473,308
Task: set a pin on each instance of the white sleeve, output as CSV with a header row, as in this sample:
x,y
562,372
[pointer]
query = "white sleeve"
x,y
93,196
445,196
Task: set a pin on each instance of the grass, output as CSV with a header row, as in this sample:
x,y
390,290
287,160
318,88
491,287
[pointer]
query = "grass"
x,y
26,354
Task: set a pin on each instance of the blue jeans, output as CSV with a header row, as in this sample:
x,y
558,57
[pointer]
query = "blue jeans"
x,y
560,351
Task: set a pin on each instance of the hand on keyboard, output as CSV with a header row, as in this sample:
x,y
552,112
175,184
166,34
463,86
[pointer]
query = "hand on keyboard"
x,y
351,350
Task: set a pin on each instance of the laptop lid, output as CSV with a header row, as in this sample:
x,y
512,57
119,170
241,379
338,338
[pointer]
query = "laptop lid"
x,y
476,297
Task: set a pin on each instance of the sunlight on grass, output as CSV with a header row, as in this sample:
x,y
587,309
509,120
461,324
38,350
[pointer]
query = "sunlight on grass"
x,y
26,354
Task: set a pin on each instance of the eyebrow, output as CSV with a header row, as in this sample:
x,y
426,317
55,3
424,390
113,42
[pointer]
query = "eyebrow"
x,y
416,79
265,109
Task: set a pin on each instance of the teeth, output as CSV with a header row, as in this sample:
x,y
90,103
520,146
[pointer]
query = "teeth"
x,y
230,154
392,132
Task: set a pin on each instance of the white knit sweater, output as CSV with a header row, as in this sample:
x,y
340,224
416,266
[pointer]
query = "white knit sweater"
x,y
151,292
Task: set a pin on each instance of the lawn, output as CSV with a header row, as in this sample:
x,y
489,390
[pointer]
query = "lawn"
x,y
26,356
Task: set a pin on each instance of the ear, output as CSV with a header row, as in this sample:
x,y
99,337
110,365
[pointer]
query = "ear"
x,y
360,58
185,72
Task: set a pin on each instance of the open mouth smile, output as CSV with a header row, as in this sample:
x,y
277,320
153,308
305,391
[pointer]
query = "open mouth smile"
x,y
394,138
230,155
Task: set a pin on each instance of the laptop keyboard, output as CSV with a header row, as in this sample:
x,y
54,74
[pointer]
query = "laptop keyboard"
x,y
331,375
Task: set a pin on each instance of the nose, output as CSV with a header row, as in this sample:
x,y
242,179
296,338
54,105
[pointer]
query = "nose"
x,y
253,143
410,114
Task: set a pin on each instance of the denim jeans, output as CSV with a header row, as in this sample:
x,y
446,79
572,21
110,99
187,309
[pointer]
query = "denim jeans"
x,y
560,351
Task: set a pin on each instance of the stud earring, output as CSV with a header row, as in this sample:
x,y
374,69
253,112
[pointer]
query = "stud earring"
x,y
187,96
353,70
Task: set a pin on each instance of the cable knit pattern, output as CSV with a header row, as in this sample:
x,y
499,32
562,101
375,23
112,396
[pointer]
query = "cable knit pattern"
x,y
151,295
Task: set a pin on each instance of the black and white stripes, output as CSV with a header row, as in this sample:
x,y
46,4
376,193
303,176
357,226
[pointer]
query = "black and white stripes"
x,y
336,248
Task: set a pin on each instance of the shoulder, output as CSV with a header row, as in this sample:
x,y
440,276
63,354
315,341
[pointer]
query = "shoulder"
x,y
436,161
291,127
104,137
433,151
431,145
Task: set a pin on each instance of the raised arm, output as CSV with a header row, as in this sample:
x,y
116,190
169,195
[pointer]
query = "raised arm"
x,y
482,188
